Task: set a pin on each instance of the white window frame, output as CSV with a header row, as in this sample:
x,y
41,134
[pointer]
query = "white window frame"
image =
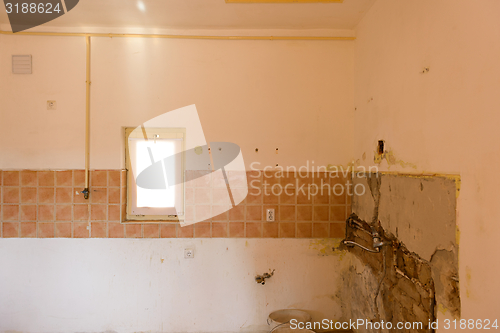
x,y
155,215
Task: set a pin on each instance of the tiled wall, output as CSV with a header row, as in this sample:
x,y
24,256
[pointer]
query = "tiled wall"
x,y
49,204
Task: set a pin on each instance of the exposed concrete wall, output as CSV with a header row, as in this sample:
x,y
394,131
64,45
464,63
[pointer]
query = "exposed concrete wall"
x,y
417,218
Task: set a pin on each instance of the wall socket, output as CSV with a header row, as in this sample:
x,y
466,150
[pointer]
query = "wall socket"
x,y
188,253
270,215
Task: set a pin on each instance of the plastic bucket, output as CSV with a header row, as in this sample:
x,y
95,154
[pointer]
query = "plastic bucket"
x,y
283,317
285,329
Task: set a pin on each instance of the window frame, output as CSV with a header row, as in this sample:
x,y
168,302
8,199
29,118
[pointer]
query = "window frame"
x,y
149,132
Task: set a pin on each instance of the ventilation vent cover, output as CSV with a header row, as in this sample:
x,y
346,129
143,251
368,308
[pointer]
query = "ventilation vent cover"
x,y
21,64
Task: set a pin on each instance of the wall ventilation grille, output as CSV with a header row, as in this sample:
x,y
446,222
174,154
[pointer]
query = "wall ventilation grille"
x,y
21,64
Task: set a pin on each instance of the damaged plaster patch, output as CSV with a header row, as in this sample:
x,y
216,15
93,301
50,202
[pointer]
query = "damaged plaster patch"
x,y
420,212
327,247
363,205
391,159
444,266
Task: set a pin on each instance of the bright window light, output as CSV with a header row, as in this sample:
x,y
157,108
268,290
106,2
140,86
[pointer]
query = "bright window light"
x,y
159,150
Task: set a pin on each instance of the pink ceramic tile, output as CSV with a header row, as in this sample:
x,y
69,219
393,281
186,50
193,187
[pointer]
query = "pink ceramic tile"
x,y
99,195
99,178
98,212
79,178
46,178
254,178
220,196
288,179
220,213
168,230
46,230
63,229
28,195
10,212
114,177
218,180
219,229
287,213
286,230
254,196
320,213
10,178
133,230
64,178
304,178
10,229
185,232
80,230
123,177
337,230
151,230
338,199
98,229
320,230
28,178
304,213
270,230
304,230
338,213
80,212
201,178
270,178
322,196
114,213
288,196
237,213
64,213
254,213
115,230
237,179
46,212
202,195
11,194
202,229
189,194
28,229
28,212
253,229
64,195
304,196
46,195
239,195
236,229
203,212
269,197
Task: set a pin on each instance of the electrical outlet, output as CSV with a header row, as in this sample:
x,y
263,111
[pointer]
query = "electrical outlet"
x,y
51,105
270,215
188,253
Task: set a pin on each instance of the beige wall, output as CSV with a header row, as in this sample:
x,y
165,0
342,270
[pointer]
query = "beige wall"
x,y
294,95
445,120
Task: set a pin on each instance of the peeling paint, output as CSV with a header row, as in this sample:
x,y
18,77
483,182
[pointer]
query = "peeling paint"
x,y
327,247
391,159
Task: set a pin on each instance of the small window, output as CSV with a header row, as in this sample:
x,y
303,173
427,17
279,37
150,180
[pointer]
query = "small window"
x,y
155,173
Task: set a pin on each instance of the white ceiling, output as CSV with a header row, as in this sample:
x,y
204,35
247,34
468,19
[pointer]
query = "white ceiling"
x,y
206,14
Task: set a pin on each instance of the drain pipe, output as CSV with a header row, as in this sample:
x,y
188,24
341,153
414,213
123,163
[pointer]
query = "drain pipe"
x,y
87,122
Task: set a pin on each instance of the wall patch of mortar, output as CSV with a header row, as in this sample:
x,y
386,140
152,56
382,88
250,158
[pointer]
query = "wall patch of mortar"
x,y
327,247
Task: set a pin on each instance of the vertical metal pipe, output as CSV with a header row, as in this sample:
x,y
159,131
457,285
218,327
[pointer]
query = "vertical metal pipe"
x,y
87,121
